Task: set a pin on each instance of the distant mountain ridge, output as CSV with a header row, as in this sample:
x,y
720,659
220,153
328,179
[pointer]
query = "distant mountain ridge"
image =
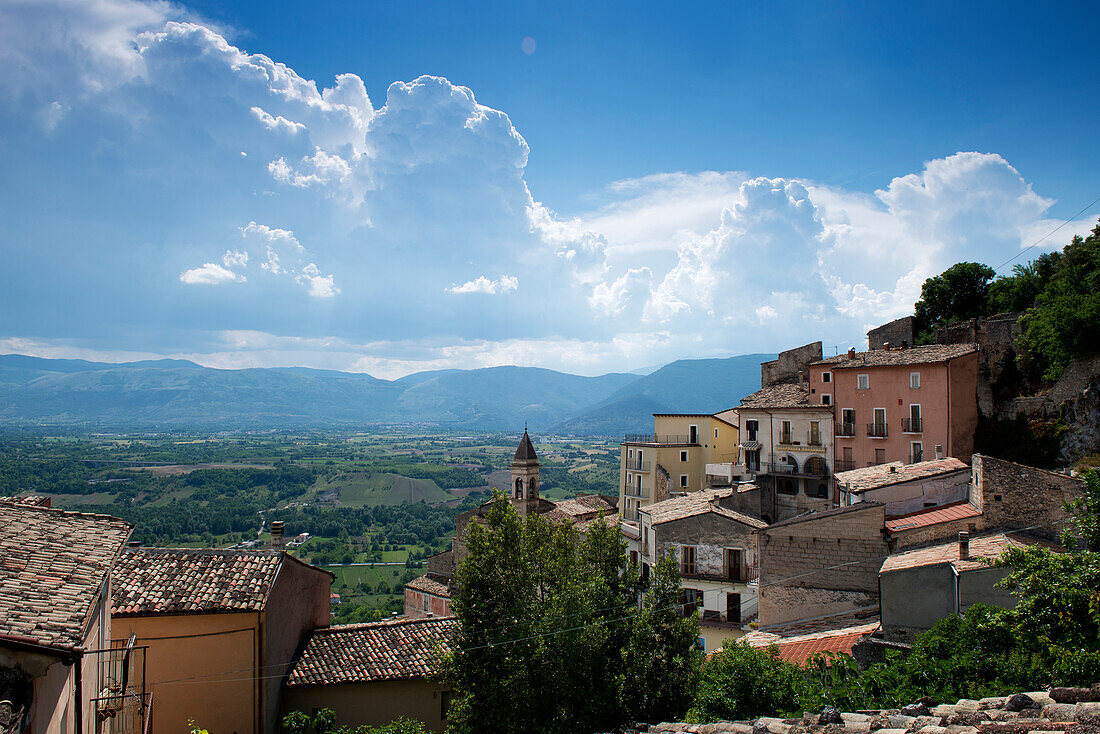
x,y
176,394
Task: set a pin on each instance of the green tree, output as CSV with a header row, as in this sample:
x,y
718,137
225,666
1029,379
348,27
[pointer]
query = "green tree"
x,y
549,627
960,292
1064,323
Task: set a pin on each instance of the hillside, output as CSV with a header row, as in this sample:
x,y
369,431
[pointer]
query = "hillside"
x,y
175,394
684,386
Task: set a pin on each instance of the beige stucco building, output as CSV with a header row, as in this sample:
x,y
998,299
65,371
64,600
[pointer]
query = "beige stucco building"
x,y
674,458
221,628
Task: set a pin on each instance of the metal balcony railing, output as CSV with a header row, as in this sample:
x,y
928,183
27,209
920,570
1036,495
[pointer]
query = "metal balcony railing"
x,y
876,430
912,425
845,429
842,465
659,438
642,466
809,469
636,493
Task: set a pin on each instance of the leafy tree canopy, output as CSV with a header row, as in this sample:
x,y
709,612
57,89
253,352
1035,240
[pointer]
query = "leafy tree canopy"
x,y
960,292
551,635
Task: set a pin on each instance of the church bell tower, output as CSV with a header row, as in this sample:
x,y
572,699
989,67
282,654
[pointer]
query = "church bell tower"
x,y
525,476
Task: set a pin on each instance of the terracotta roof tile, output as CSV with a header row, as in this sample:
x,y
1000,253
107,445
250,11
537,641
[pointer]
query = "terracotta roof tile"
x,y
697,503
184,580
787,395
928,354
896,472
800,648
429,585
52,566
933,516
983,549
360,653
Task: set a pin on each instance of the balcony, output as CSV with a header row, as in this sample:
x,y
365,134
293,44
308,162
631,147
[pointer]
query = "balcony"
x,y
912,425
843,465
876,430
643,466
636,493
845,430
811,468
743,575
660,439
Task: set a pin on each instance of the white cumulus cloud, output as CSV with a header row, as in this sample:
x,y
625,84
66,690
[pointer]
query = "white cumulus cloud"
x,y
210,274
481,284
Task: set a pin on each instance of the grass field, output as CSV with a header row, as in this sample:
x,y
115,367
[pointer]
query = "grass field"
x,y
351,576
359,489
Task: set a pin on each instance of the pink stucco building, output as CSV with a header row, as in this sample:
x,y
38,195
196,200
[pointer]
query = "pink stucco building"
x,y
900,404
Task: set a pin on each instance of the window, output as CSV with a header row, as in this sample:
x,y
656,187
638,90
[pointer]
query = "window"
x,y
687,560
683,456
786,432
878,428
822,491
916,452
863,382
633,558
692,599
786,486
752,427
826,376
693,434
683,481
914,380
716,433
815,433
752,460
733,564
826,399
880,456
914,423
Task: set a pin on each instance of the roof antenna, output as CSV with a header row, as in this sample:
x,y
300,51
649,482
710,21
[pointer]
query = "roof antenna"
x,y
525,426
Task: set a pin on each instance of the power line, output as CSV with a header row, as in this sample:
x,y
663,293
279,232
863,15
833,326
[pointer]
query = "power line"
x,y
1048,234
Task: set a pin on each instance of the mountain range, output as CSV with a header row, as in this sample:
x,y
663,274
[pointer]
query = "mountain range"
x,y
178,395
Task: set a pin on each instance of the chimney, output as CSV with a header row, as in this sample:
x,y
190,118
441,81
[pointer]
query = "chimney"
x,y
964,545
886,346
851,352
939,452
277,534
893,469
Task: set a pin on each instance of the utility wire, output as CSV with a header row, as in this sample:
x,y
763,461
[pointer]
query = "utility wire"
x,y
1048,234
201,678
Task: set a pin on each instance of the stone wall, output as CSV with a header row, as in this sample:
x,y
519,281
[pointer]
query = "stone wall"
x,y
662,481
1012,495
836,551
893,333
711,534
788,364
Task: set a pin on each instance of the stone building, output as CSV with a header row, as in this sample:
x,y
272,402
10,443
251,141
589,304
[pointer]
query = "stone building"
x,y
821,564
430,594
897,333
789,366
715,547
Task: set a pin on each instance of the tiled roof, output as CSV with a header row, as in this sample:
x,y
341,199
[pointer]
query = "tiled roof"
x,y
697,503
787,395
928,354
427,584
933,516
52,566
982,550
800,649
360,653
896,472
586,504
820,514
185,581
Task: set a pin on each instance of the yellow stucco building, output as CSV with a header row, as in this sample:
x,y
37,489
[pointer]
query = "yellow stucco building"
x,y
674,457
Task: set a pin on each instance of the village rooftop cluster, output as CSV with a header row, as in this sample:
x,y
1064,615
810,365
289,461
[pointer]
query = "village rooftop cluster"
x,y
840,508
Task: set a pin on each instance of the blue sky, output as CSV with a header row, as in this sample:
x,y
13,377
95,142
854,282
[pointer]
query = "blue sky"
x,y
406,186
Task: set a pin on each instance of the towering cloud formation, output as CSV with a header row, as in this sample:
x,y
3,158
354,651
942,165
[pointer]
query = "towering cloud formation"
x,y
412,209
